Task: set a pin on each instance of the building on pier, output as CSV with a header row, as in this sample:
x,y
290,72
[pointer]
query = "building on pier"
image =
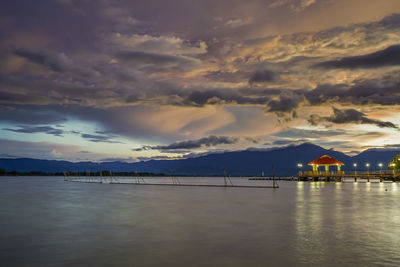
x,y
337,175
325,161
394,164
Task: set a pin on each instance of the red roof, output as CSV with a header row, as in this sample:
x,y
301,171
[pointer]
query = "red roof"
x,y
325,159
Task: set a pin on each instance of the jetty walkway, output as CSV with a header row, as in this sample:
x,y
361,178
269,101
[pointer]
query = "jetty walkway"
x,y
340,176
163,181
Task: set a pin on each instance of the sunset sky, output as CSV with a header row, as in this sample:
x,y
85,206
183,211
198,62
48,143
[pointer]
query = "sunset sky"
x,y
133,80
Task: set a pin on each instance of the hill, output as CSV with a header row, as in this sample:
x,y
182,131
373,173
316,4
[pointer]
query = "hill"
x,y
238,163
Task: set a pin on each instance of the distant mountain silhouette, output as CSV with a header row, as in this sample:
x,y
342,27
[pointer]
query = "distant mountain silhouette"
x,y
238,163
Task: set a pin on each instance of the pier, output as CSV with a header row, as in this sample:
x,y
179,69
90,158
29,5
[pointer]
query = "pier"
x,y
162,181
341,175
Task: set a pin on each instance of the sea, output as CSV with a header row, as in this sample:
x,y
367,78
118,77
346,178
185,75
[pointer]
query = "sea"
x,y
45,221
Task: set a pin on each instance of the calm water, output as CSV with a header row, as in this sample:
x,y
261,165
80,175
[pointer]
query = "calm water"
x,y
45,221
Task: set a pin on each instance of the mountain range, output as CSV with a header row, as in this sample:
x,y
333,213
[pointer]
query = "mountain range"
x,y
237,163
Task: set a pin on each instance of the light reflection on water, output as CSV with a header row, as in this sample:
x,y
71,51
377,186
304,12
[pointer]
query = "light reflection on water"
x,y
348,224
45,221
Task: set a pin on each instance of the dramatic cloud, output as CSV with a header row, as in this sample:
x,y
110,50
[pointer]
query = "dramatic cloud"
x,y
387,57
262,76
158,61
285,103
58,62
37,129
160,44
295,5
209,141
129,71
296,133
99,138
350,116
383,91
200,98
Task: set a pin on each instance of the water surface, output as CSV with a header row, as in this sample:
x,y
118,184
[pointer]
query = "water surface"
x,y
45,221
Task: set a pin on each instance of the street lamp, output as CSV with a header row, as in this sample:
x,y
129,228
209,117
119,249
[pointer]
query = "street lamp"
x,y
300,166
355,169
380,166
367,165
393,165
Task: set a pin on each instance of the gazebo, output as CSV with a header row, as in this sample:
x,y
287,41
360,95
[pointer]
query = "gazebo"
x,y
326,161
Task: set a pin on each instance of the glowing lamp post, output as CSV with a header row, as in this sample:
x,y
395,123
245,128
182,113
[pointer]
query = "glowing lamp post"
x,y
355,169
367,165
380,166
393,165
300,166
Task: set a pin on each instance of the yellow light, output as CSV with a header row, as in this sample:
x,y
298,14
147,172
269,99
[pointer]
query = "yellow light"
x,y
355,164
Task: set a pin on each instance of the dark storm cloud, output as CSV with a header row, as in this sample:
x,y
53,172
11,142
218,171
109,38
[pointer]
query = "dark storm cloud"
x,y
201,98
209,141
232,77
42,91
262,76
53,61
383,91
139,58
99,138
77,92
27,114
380,91
10,97
259,92
286,103
252,140
58,62
37,129
387,57
350,116
309,133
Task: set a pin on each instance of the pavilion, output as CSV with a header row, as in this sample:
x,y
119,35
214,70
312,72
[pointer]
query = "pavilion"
x,y
326,161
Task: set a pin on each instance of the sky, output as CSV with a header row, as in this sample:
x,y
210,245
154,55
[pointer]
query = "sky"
x,y
136,80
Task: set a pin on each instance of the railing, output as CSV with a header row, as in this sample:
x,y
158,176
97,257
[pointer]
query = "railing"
x,y
321,173
389,174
